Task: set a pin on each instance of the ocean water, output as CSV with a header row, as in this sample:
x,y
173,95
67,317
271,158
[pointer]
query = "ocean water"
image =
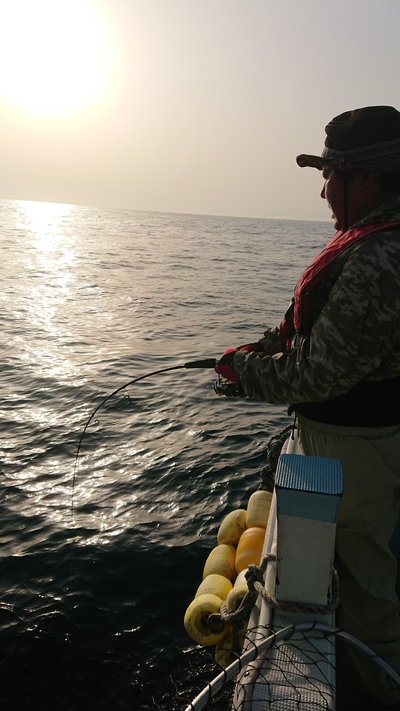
x,y
101,556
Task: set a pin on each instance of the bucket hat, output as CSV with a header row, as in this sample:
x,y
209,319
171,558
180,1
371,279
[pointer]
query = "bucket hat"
x,y
364,138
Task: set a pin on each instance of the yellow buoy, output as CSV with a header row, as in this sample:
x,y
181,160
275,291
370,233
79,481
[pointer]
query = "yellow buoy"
x,y
215,584
224,652
221,561
258,509
197,617
239,590
249,548
232,527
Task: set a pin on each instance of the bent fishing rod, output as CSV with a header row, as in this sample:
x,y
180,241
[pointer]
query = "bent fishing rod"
x,y
204,363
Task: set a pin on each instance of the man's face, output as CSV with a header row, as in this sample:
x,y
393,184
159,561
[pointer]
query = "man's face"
x,y
363,195
333,192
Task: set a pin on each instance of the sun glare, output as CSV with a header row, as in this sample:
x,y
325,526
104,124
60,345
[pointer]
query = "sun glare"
x,y
56,56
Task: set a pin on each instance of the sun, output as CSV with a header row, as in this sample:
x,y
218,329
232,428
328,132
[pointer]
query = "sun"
x,y
57,57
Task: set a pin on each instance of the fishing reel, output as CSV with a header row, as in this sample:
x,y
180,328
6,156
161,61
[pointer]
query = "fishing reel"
x,y
225,387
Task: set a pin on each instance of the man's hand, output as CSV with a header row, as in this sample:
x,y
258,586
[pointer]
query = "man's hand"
x,y
224,366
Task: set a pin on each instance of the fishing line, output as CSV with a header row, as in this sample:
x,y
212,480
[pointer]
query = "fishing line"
x,y
204,363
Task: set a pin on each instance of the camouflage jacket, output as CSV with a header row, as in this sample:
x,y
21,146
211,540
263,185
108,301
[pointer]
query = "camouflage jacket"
x,y
355,336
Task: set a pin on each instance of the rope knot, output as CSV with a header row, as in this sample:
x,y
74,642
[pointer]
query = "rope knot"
x,y
253,575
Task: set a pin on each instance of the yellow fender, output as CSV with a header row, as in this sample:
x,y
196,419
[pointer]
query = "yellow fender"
x,y
221,561
239,590
215,584
225,653
196,620
249,548
232,527
258,509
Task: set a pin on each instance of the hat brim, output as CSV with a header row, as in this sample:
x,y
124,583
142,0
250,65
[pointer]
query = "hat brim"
x,y
381,158
307,161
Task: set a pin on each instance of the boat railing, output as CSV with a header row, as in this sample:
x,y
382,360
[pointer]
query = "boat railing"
x,y
289,656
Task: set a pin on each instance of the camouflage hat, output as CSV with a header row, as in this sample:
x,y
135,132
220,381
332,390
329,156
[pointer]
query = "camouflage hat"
x,y
364,138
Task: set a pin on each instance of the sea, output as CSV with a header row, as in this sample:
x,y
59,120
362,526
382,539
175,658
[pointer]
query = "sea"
x,y
111,503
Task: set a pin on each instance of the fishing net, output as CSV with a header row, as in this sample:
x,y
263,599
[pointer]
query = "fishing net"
x,y
294,670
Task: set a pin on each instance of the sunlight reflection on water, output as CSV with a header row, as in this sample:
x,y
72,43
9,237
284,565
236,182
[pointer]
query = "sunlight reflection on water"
x,y
92,300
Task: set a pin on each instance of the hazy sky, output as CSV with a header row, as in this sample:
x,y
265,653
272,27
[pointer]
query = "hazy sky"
x,y
193,106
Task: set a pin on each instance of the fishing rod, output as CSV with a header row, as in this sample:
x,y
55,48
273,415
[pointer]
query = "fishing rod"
x,y
204,363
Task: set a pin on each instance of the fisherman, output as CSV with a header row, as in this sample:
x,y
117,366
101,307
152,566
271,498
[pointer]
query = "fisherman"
x,y
335,360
